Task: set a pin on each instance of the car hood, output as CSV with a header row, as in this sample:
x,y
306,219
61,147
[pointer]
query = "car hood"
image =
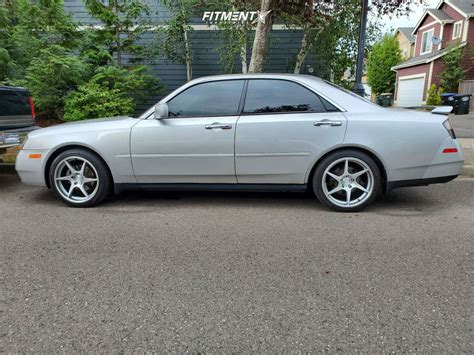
x,y
87,125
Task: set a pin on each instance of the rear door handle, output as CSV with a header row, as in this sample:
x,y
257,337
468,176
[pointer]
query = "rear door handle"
x,y
218,125
327,123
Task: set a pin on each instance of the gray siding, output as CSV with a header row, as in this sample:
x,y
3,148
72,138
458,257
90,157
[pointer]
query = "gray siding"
x,y
284,45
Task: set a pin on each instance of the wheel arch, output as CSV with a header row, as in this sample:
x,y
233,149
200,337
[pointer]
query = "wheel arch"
x,y
373,155
64,148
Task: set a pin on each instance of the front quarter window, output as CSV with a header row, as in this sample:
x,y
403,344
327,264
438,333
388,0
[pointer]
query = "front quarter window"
x,y
215,98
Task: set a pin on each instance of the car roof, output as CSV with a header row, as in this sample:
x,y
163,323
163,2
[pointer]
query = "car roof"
x,y
301,77
13,88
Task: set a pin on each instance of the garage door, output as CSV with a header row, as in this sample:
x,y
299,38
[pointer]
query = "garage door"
x,y
410,92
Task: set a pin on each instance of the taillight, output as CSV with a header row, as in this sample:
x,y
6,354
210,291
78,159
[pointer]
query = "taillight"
x,y
32,107
450,129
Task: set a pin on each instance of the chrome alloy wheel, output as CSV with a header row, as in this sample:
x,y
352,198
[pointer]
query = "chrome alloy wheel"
x,y
348,182
76,179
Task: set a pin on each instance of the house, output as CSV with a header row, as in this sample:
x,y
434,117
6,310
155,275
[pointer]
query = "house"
x,y
406,41
205,45
450,24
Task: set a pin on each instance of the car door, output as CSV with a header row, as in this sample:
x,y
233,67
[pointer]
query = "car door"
x,y
283,128
195,144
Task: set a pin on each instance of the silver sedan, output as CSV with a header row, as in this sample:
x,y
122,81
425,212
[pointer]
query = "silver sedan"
x,y
247,132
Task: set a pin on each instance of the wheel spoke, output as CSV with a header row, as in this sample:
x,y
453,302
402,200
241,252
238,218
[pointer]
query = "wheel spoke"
x,y
87,180
64,178
71,189
69,166
336,189
83,190
83,167
346,167
359,186
334,176
359,173
348,196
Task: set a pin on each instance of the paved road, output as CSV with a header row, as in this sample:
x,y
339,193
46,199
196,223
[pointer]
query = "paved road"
x,y
237,273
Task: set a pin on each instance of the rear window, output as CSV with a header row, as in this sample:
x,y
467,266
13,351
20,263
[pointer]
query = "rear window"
x,y
14,103
282,96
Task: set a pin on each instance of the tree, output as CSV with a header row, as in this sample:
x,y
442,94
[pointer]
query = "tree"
x,y
452,73
434,96
382,58
295,7
51,76
173,39
28,27
123,23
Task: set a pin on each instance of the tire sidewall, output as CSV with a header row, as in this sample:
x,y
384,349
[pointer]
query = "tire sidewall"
x,y
347,153
102,174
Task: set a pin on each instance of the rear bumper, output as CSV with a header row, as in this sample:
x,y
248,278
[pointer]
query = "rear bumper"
x,y
419,182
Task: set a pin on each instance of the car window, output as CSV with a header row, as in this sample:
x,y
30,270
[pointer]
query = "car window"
x,y
14,103
274,96
216,98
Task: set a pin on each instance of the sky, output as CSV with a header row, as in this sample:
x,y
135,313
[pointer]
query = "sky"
x,y
409,20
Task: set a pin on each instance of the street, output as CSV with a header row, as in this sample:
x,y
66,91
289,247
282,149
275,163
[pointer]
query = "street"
x,y
237,272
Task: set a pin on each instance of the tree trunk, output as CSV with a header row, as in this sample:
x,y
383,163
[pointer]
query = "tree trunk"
x,y
243,51
260,42
304,49
187,56
243,57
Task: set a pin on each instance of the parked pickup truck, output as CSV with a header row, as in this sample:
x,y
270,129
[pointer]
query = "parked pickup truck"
x,y
17,114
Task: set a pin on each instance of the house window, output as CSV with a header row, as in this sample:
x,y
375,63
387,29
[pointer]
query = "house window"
x,y
457,30
426,41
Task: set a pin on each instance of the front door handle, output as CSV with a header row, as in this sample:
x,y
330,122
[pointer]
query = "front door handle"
x,y
327,123
218,125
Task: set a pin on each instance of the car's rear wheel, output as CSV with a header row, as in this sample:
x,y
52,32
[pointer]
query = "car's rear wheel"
x,y
80,178
347,180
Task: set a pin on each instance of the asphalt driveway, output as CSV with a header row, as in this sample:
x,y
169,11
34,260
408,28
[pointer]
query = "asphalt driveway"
x,y
229,272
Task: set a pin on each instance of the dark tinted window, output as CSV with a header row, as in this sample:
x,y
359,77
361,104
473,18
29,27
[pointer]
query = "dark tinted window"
x,y
266,96
14,103
218,98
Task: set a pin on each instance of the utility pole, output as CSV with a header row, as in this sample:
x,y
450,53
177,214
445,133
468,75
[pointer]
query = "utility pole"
x,y
358,87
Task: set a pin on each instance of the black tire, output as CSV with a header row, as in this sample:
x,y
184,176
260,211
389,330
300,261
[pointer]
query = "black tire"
x,y
105,182
317,181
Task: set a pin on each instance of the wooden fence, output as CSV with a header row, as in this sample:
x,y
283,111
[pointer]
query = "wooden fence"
x,y
467,87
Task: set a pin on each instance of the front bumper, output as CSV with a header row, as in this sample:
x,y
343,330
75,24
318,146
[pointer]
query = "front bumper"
x,y
31,170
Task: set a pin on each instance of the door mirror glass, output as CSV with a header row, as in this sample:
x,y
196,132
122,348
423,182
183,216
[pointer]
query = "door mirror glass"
x,y
161,111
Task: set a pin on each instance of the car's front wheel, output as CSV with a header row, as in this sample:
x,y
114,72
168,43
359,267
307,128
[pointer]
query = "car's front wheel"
x,y
347,180
80,178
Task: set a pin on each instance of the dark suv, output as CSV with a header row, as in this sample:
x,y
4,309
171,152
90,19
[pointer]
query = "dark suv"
x,y
16,108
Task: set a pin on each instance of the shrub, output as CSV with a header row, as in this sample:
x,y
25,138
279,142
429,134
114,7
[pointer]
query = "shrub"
x,y
134,81
52,75
434,96
93,100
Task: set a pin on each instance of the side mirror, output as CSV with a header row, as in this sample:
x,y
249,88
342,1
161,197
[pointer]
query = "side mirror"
x,y
161,111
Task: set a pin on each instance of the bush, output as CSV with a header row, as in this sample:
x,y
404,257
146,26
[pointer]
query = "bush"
x,y
134,81
93,100
434,96
52,75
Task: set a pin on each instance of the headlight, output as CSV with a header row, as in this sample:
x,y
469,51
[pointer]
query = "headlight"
x,y
450,129
24,142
